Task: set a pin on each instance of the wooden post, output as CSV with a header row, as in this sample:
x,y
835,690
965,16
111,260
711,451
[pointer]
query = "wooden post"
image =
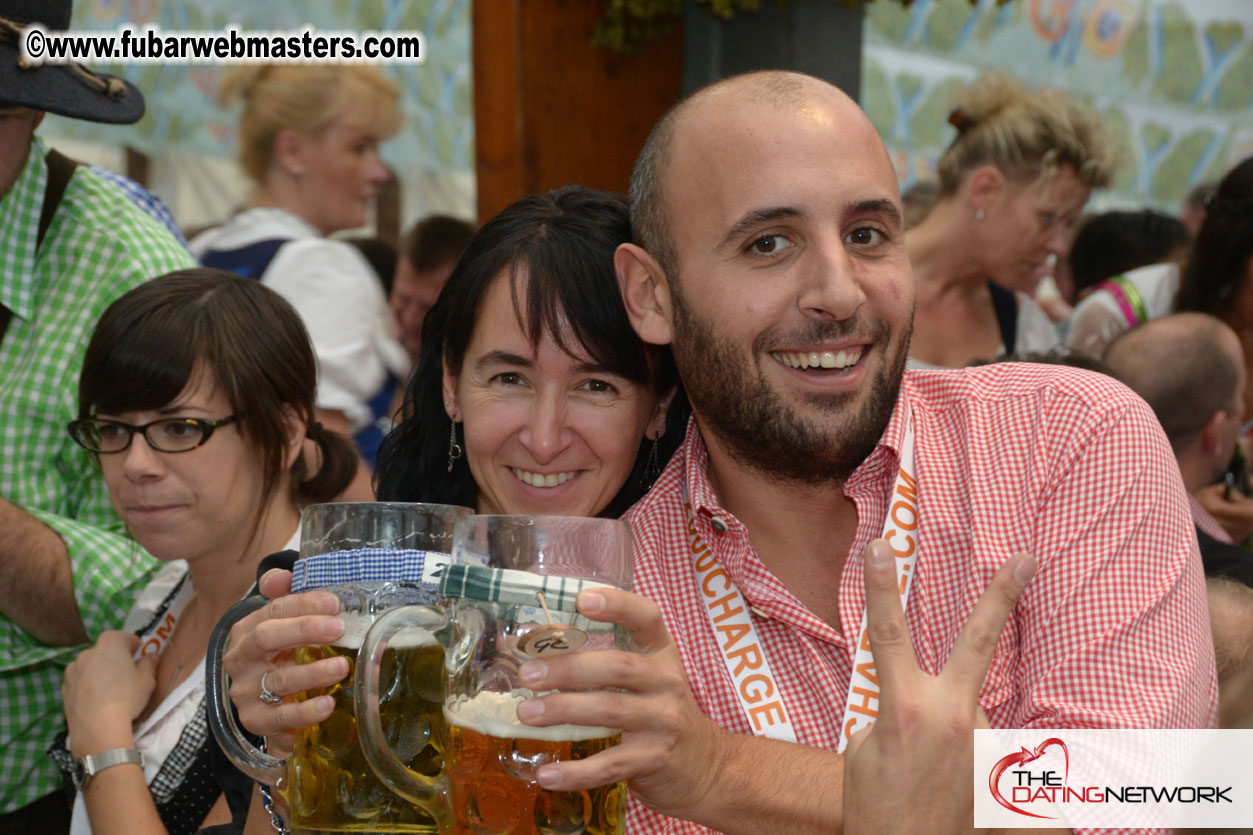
x,y
550,109
138,166
387,212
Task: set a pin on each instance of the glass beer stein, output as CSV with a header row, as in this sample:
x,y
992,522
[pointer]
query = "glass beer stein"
x,y
375,557
509,596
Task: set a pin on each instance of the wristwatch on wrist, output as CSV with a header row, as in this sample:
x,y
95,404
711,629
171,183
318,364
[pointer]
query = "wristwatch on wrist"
x,y
85,768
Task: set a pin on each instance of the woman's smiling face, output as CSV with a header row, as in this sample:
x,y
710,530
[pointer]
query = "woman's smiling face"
x,y
546,432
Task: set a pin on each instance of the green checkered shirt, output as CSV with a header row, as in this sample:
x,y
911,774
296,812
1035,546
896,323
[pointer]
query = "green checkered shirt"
x,y
98,246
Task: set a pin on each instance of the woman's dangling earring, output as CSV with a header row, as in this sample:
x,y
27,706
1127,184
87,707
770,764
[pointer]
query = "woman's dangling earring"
x,y
979,215
652,468
454,448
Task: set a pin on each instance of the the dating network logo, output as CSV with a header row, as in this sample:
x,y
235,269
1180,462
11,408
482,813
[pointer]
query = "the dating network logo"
x,y
1025,778
1113,778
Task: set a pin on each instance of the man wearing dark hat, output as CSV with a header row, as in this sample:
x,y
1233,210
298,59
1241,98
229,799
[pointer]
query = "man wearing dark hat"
x,y
70,243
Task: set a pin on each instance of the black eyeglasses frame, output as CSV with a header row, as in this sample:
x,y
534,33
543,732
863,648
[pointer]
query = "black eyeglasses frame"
x,y
78,427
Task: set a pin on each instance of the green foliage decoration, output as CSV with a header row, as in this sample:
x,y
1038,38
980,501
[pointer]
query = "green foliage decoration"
x,y
627,25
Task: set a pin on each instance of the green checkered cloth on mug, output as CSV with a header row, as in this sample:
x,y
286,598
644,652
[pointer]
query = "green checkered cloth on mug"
x,y
506,585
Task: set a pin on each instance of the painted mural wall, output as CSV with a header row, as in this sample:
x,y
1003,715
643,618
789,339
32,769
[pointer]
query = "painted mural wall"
x,y
183,111
1172,79
191,140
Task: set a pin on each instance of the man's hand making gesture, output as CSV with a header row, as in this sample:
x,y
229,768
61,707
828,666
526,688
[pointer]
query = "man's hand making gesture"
x,y
911,770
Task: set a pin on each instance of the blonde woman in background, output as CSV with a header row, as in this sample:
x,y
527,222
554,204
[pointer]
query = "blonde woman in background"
x,y
309,140
1015,178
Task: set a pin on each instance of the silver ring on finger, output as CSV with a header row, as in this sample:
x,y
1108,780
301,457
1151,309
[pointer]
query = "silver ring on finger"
x,y
267,695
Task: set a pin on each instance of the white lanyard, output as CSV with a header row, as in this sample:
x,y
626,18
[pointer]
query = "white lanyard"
x,y
742,651
156,638
901,532
737,639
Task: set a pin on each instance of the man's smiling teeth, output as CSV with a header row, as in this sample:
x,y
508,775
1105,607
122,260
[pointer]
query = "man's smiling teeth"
x,y
542,480
819,359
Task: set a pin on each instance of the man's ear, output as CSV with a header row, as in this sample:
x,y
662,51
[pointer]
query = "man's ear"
x,y
646,292
449,387
1210,438
983,186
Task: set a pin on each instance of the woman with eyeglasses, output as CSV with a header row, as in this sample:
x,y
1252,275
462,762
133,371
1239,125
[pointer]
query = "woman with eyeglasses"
x,y
196,398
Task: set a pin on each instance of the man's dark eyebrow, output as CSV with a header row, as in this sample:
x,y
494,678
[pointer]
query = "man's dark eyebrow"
x,y
501,358
880,206
754,218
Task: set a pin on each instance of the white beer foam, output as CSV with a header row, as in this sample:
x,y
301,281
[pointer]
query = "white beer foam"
x,y
496,714
356,625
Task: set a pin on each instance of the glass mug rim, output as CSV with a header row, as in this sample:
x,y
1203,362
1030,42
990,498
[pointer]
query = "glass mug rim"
x,y
435,521
620,576
489,627
385,504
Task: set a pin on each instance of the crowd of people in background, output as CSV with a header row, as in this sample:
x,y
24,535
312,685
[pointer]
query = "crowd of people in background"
x,y
736,356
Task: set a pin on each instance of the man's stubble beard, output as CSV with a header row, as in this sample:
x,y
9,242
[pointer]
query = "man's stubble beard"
x,y
758,427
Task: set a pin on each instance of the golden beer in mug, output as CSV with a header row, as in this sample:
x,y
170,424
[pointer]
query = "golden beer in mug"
x,y
375,557
330,786
509,596
491,764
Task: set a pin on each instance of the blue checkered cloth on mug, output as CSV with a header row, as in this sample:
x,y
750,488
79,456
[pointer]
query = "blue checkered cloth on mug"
x,y
367,565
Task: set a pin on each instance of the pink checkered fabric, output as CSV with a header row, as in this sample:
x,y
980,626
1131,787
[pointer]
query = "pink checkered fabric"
x,y
1206,522
1112,632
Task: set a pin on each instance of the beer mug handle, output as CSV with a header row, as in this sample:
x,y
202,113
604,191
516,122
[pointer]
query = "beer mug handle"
x,y
230,736
430,793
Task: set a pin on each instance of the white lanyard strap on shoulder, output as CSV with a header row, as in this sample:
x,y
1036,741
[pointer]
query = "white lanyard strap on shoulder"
x,y
901,532
737,639
742,650
154,641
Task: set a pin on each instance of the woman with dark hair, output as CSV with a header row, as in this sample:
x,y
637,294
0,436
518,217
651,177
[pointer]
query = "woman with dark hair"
x,y
196,398
1214,280
1217,277
532,395
1218,280
1125,267
531,327
1116,242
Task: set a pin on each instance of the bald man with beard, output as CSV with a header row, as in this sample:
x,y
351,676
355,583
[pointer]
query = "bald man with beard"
x,y
1023,505
770,256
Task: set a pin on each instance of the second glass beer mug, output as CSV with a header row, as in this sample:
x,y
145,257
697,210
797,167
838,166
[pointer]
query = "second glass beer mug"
x,y
509,597
375,557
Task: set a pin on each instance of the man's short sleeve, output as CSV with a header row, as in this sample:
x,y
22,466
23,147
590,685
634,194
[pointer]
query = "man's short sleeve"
x,y
1114,626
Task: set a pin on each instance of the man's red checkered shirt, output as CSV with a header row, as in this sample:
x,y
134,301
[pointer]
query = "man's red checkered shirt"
x,y
1112,632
